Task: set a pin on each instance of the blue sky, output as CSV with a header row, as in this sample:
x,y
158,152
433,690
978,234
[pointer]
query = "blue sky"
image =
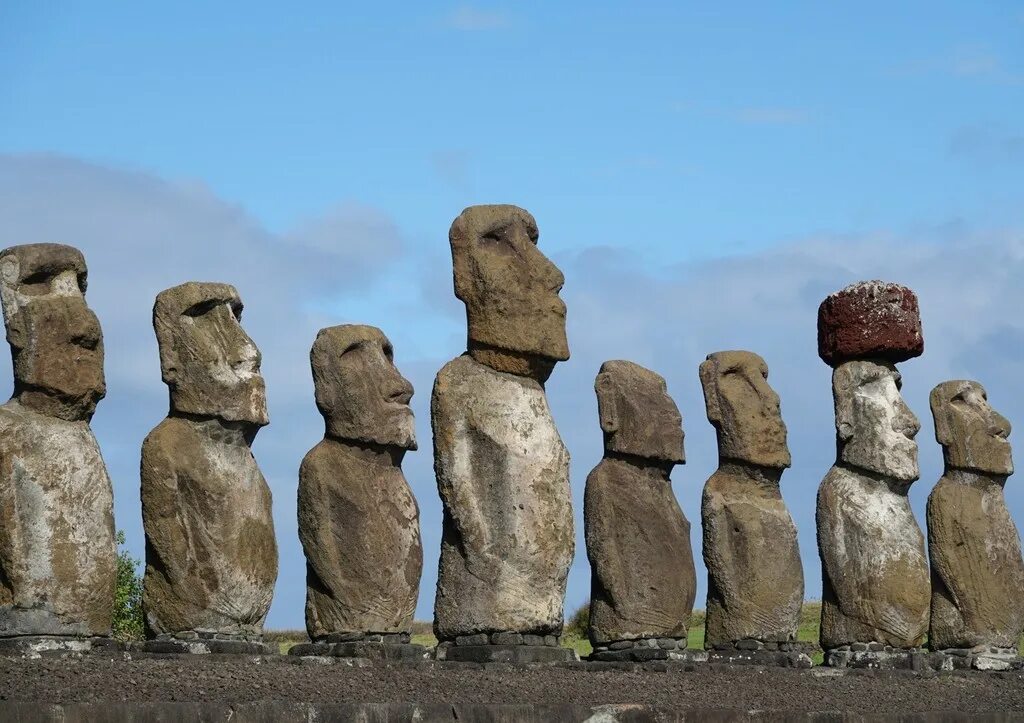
x,y
703,177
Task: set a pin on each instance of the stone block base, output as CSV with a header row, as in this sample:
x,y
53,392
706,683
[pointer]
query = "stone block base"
x,y
371,650
984,658
205,644
491,653
642,650
762,652
34,646
877,656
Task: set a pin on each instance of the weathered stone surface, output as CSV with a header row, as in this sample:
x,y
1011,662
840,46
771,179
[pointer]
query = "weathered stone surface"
x,y
870,320
973,544
875,583
643,580
516,319
755,578
358,520
503,476
57,552
211,556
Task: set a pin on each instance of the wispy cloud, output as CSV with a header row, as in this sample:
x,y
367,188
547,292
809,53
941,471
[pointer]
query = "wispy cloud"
x,y
472,18
989,145
778,115
977,61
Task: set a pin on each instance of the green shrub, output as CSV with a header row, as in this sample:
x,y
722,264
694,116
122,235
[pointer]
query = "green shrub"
x,y
127,595
578,622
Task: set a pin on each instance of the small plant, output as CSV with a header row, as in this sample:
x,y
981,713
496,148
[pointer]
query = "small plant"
x,y
578,622
127,623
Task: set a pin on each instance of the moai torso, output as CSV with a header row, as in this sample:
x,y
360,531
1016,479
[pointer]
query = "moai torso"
x,y
755,578
502,470
875,580
211,556
643,580
358,520
57,551
973,544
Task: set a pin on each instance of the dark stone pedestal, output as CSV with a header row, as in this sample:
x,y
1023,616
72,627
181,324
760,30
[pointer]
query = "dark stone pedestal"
x,y
491,653
646,649
204,644
980,658
877,656
761,652
33,646
361,649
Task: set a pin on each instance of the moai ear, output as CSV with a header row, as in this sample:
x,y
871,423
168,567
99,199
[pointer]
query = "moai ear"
x,y
169,363
9,269
606,407
843,395
939,402
709,382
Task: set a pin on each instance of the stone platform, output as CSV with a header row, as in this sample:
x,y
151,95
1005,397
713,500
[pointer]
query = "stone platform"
x,y
883,657
373,646
204,644
505,648
34,646
648,649
761,652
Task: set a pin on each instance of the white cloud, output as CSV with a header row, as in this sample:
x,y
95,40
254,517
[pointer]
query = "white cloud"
x,y
473,18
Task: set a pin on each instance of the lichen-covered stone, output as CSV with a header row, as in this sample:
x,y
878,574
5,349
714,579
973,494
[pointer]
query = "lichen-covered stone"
x,y
57,551
643,580
358,520
973,544
503,476
755,577
875,580
211,556
870,320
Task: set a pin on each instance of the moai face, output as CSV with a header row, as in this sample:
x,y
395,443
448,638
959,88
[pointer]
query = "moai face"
x,y
875,427
744,409
638,417
210,364
359,390
509,287
56,342
972,434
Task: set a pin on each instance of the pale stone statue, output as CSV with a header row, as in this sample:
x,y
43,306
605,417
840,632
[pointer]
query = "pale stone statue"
x,y
57,551
211,556
755,578
638,539
358,520
974,547
502,470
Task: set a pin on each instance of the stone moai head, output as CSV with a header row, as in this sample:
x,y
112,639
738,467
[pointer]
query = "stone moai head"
x,y
972,434
509,287
875,427
210,364
359,390
638,417
744,409
56,342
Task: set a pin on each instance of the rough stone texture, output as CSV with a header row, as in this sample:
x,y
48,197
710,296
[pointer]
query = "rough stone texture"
x,y
516,654
870,320
755,578
974,548
57,551
643,580
503,475
875,585
358,520
516,321
211,556
362,649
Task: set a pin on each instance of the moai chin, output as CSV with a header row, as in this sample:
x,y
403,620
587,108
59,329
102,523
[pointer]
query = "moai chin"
x,y
974,548
57,550
755,578
358,520
638,539
502,470
874,570
211,556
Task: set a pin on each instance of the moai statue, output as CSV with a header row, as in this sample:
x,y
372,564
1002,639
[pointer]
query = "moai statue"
x,y
638,540
358,520
211,557
57,552
875,586
502,470
755,578
977,611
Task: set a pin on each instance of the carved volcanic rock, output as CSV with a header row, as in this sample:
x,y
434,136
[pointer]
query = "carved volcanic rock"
x,y
870,320
503,475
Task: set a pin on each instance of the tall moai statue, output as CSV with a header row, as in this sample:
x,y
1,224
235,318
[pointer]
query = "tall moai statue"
x,y
638,539
57,552
755,578
502,470
211,556
977,570
358,520
875,580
